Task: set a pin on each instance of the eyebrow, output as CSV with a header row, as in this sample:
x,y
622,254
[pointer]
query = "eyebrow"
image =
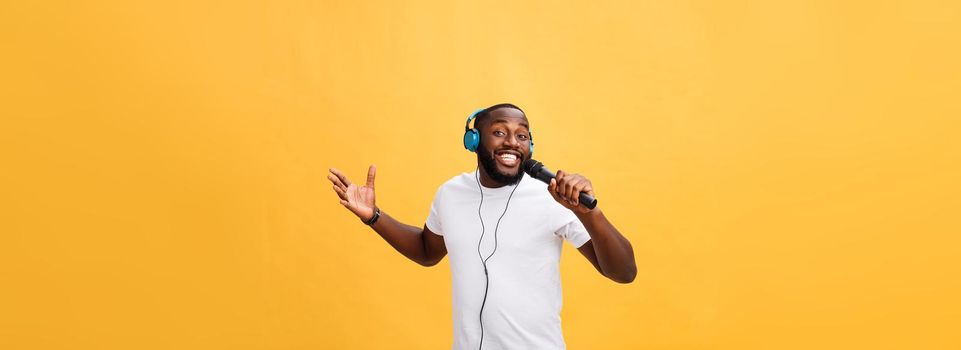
x,y
504,121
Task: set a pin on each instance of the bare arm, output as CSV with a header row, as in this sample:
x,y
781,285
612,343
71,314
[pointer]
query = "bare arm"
x,y
609,251
420,245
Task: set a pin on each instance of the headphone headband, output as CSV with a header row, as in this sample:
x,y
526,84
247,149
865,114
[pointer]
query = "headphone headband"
x,y
471,117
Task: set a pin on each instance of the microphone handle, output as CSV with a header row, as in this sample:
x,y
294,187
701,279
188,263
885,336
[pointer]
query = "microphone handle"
x,y
585,199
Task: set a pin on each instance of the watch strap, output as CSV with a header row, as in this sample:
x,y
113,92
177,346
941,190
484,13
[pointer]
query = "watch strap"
x,y
374,218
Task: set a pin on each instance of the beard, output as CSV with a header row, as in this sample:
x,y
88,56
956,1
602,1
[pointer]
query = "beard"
x,y
490,167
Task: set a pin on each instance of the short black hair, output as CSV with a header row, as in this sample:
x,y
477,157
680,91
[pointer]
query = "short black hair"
x,y
486,113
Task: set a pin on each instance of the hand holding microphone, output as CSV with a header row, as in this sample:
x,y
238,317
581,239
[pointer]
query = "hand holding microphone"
x,y
573,191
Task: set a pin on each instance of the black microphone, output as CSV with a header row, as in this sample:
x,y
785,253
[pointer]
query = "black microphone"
x,y
538,171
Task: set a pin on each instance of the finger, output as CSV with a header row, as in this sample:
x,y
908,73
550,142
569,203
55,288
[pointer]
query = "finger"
x,y
552,189
580,188
340,192
345,203
341,176
560,182
567,186
569,193
336,181
564,188
571,189
370,175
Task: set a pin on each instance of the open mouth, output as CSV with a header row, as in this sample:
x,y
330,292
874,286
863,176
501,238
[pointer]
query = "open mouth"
x,y
508,159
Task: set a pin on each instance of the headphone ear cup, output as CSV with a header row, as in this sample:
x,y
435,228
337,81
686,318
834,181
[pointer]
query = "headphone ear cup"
x,y
532,143
471,140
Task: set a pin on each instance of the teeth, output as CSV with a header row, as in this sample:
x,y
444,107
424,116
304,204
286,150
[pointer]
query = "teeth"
x,y
508,156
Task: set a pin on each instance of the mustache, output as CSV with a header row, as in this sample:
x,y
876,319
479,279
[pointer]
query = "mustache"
x,y
487,161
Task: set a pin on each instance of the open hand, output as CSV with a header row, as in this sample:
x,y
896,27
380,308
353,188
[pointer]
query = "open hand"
x,y
358,199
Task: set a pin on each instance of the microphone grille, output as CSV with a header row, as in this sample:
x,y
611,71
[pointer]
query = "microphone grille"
x,y
531,166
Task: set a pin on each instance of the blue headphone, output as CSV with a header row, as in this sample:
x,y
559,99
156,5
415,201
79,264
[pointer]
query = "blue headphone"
x,y
472,136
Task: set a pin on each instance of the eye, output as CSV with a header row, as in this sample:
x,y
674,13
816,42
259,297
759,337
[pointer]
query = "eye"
x,y
522,137
499,133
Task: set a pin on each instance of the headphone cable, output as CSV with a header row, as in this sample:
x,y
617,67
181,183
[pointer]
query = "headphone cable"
x,y
479,255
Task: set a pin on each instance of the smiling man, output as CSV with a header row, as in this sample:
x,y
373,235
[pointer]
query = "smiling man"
x,y
503,231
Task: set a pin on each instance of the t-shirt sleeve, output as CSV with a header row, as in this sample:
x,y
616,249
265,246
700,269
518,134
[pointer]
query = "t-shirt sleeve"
x,y
572,229
433,219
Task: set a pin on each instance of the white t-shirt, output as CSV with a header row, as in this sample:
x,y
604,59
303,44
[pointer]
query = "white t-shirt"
x,y
523,305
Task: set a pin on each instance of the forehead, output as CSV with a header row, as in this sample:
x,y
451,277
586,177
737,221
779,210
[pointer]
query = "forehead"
x,y
508,116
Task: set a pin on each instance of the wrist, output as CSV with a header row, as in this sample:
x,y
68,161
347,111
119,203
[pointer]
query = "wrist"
x,y
373,218
588,215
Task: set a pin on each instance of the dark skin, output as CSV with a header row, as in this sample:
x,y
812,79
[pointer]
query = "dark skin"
x,y
506,130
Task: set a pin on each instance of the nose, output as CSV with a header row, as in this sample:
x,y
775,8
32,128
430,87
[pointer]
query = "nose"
x,y
512,141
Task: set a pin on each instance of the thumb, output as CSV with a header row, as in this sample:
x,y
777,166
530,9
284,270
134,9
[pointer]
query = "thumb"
x,y
371,172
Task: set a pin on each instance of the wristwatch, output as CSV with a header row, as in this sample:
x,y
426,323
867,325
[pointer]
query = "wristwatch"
x,y
374,218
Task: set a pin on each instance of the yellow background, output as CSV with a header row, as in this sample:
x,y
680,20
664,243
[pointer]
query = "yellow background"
x,y
786,171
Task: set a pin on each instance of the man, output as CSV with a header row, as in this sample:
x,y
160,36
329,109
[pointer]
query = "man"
x,y
504,233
